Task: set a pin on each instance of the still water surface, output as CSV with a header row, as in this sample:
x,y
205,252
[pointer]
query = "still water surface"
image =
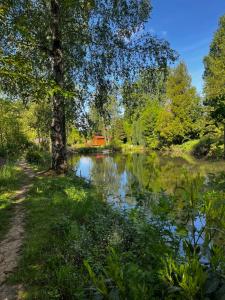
x,y
127,180
183,198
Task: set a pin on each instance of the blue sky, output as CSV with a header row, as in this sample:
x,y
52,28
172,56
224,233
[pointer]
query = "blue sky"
x,y
189,26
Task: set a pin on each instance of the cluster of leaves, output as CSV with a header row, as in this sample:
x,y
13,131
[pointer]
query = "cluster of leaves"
x,y
163,111
214,75
12,138
101,42
214,87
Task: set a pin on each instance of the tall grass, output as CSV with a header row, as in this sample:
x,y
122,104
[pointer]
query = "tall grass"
x,y
8,175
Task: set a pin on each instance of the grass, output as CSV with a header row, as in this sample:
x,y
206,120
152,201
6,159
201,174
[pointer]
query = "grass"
x,y
208,148
185,148
78,247
70,230
11,178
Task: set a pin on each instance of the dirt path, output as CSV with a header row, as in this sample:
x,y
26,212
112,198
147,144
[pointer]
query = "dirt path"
x,y
10,246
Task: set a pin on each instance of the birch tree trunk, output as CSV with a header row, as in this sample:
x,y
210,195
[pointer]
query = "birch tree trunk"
x,y
58,132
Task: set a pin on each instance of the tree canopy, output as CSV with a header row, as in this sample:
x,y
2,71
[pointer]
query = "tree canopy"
x,y
180,119
81,50
214,76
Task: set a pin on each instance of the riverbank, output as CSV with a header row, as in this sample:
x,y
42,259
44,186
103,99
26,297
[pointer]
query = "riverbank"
x,y
121,148
77,246
206,148
200,149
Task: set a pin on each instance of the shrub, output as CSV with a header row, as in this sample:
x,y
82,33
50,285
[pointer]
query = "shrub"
x,y
36,156
33,156
202,148
208,147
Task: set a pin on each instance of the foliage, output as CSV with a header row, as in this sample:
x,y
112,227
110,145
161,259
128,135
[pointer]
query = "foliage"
x,y
189,147
74,136
12,138
37,156
36,121
180,119
151,83
81,51
208,147
214,76
163,112
214,70
148,121
194,276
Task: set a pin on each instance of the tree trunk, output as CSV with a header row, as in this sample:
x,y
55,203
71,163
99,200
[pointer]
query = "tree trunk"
x,y
58,132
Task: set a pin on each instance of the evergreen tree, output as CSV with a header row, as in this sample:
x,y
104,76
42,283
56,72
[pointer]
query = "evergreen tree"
x,y
214,77
180,118
148,121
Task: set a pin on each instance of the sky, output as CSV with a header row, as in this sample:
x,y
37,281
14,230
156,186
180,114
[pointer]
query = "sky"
x,y
188,25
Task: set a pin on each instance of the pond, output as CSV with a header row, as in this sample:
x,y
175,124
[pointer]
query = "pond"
x,y
126,180
182,200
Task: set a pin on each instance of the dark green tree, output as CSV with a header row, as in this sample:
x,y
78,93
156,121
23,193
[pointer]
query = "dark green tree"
x,y
180,119
214,77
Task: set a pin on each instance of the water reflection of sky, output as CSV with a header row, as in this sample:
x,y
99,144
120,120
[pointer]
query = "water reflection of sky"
x,y
118,195
120,177
141,180
83,167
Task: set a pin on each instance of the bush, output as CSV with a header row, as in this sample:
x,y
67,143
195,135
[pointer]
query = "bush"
x,y
115,146
36,156
208,147
203,147
14,148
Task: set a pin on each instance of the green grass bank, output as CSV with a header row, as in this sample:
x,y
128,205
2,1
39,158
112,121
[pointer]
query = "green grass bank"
x,y
79,247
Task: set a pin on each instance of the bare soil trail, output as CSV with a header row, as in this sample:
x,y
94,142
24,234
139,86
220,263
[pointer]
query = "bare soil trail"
x,y
11,244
